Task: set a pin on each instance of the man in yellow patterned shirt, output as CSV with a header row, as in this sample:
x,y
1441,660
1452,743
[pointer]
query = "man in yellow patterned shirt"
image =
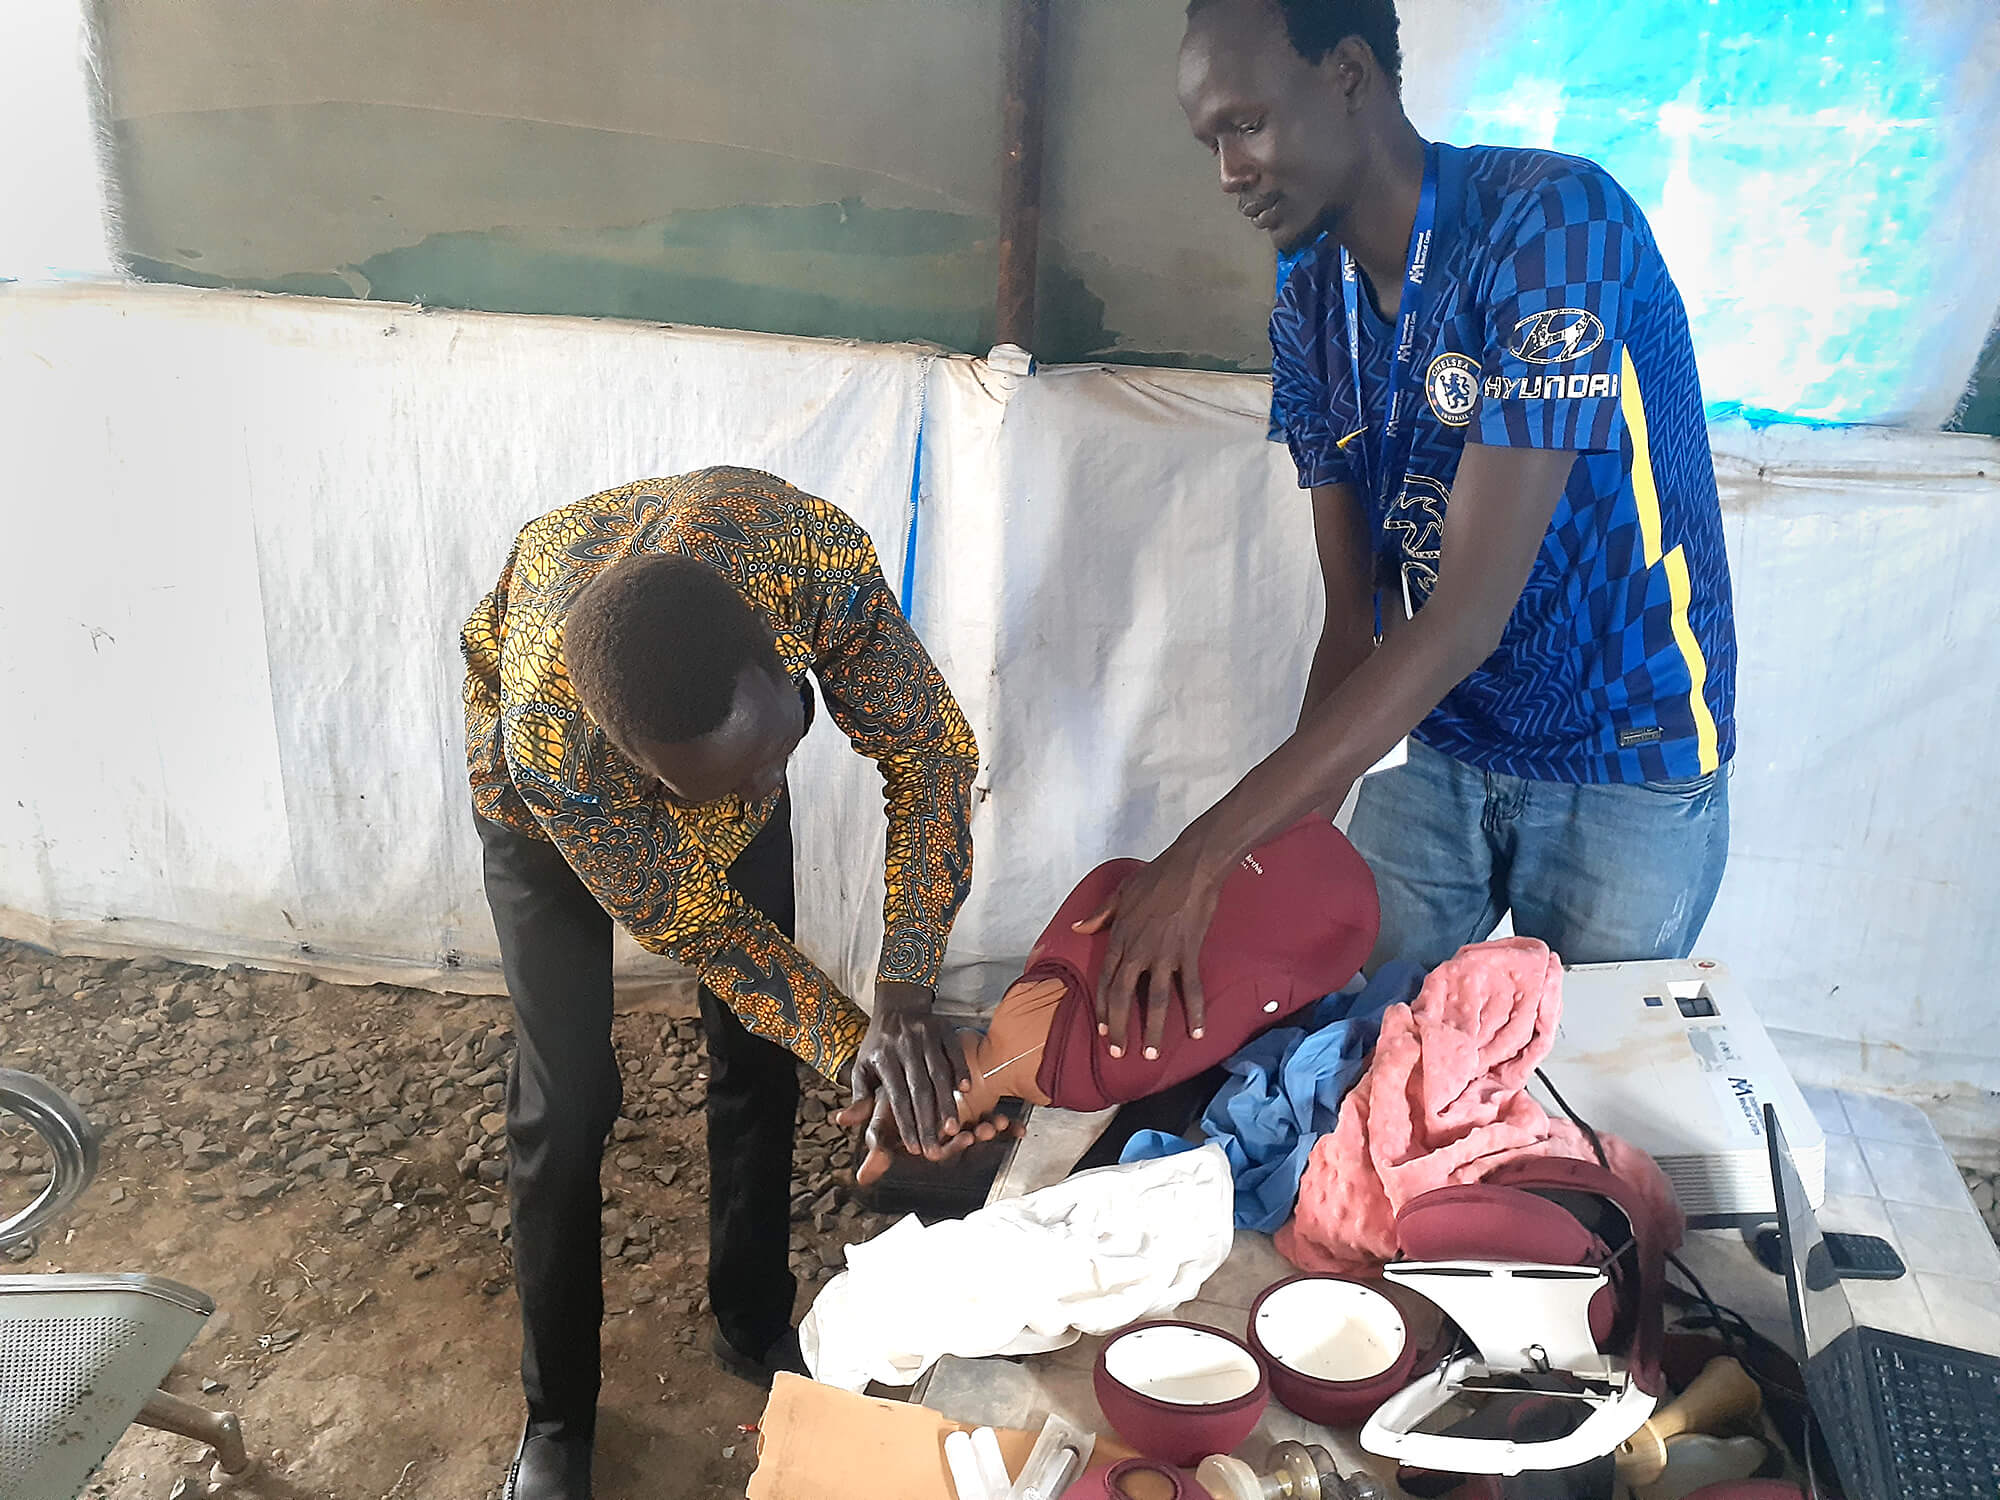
x,y
635,684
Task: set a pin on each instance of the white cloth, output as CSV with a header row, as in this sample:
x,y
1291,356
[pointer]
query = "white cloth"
x,y
205,747
1093,1253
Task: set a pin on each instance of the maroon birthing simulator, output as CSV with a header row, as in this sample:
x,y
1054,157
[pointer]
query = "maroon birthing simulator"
x,y
1295,921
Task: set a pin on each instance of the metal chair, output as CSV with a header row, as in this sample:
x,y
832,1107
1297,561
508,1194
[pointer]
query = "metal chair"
x,y
82,1356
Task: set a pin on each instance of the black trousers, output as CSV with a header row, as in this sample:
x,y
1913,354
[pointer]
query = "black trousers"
x,y
564,1093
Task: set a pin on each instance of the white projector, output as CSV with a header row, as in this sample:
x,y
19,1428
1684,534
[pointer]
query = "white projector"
x,y
1670,1056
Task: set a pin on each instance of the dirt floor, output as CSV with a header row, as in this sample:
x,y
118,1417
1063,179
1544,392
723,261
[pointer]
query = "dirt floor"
x,y
325,1162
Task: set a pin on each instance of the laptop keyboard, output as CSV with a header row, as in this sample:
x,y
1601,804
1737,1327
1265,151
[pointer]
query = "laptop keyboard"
x,y
1939,1413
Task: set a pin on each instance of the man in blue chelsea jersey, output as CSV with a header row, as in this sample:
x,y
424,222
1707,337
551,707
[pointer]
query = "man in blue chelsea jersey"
x,y
1484,374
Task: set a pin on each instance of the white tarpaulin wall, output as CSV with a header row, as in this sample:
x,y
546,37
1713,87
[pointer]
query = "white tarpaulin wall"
x,y
240,533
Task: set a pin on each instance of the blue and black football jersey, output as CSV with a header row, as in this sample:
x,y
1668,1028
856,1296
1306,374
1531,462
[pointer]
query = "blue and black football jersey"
x,y
1550,322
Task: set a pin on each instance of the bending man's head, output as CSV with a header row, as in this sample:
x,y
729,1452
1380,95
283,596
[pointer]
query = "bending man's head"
x,y
1291,96
682,675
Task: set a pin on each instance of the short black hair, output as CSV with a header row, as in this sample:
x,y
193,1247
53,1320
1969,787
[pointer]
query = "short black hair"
x,y
654,645
1316,27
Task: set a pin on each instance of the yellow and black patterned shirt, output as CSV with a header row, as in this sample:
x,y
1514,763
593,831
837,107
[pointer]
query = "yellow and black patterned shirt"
x,y
540,766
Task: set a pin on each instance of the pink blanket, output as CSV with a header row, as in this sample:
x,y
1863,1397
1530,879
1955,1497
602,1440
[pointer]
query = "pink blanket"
x,y
1444,1102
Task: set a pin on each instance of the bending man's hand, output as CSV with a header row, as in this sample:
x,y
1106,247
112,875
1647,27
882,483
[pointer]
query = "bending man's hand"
x,y
1158,919
909,1064
883,1141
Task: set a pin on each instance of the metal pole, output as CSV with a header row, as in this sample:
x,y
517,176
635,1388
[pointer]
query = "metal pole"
x,y
1021,171
219,1429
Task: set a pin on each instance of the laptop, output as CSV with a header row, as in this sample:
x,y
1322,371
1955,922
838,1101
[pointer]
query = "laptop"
x,y
1903,1418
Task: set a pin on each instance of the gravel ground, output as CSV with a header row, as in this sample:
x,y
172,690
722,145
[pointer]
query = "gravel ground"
x,y
329,1162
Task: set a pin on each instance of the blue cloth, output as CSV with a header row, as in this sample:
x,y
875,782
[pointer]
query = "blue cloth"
x,y
1284,1092
1602,874
1551,322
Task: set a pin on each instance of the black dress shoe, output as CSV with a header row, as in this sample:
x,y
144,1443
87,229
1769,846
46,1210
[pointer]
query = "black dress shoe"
x,y
760,1370
549,1468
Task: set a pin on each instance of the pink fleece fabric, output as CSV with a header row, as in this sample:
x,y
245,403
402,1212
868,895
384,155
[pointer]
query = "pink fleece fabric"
x,y
1444,1101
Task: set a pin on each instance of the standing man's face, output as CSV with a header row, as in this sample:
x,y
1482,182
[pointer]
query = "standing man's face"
x,y
1282,129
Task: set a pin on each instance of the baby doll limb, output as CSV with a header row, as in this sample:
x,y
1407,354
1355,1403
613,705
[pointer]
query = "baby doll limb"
x,y
1004,1064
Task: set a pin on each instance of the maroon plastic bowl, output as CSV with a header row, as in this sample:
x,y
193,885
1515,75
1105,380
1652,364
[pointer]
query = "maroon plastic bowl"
x,y
1178,1398
1304,1327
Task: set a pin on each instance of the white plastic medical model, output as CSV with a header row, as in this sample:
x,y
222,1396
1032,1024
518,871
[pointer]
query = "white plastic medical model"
x,y
1523,1319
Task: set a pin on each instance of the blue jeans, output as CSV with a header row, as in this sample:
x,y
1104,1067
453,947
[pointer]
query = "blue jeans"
x,y
1602,874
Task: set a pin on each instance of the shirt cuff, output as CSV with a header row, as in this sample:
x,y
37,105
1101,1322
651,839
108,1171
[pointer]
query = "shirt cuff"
x,y
840,1044
911,955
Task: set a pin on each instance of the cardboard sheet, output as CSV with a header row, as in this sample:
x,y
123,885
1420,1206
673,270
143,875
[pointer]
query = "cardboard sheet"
x,y
820,1443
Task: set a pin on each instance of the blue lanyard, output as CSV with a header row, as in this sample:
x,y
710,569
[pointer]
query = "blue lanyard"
x,y
1399,426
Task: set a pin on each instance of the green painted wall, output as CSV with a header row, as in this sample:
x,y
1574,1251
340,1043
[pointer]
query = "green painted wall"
x,y
839,269
1982,407
787,167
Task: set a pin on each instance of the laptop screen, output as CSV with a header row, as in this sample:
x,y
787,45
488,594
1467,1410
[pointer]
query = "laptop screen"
x,y
1820,1312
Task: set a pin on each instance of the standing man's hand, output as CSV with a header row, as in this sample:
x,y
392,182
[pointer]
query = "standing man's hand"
x,y
909,1065
1158,919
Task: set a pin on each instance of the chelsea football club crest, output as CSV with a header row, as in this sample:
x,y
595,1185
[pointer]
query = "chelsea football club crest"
x,y
1452,384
